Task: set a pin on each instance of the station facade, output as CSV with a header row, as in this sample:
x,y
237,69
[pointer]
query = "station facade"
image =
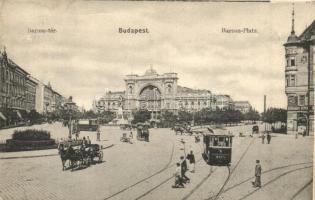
x,y
156,93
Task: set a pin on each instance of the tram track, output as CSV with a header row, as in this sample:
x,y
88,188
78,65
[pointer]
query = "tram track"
x,y
265,172
160,184
198,185
277,178
230,172
302,189
168,165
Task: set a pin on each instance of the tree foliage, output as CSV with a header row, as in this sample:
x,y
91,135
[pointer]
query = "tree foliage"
x,y
141,116
273,115
252,115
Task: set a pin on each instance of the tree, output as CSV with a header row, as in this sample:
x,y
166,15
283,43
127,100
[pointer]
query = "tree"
x,y
107,116
275,115
141,116
252,115
168,119
34,116
184,116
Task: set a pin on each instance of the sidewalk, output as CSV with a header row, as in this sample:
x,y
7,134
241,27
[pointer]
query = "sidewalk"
x,y
28,154
36,153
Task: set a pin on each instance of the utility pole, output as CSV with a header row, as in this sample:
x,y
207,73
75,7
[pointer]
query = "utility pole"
x,y
265,100
308,89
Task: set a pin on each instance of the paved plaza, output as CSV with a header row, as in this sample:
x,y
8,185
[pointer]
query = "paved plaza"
x,y
144,170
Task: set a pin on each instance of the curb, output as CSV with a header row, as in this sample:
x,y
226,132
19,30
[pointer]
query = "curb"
x,y
46,155
37,156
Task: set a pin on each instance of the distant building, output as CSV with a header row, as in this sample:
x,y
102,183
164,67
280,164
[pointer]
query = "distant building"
x,y
243,106
223,102
299,79
47,99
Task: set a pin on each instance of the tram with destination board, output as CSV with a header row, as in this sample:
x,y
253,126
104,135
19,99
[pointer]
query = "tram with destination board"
x,y
217,147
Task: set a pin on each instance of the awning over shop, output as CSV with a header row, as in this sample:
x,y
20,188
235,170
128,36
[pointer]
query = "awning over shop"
x,y
2,116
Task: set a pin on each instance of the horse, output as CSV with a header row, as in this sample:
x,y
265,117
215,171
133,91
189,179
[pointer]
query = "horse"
x,y
73,155
64,155
179,129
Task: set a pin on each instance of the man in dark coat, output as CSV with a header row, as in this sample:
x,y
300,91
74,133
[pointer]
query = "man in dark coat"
x,y
268,138
257,182
192,161
183,166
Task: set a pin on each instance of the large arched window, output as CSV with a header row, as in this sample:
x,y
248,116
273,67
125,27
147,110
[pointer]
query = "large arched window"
x,y
150,98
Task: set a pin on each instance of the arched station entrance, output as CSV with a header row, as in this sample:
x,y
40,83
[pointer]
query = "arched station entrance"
x,y
150,99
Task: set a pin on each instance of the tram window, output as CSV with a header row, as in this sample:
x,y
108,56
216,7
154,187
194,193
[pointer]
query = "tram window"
x,y
221,141
227,142
215,142
211,141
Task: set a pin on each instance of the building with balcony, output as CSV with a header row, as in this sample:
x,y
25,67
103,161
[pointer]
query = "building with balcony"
x,y
13,89
299,79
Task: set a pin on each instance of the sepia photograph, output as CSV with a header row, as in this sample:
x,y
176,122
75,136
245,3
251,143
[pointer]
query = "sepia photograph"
x,y
156,100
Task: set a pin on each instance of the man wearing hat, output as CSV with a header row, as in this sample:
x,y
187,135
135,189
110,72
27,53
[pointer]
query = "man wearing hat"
x,y
257,182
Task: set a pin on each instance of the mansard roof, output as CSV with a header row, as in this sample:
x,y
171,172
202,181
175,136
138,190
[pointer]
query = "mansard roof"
x,y
181,89
308,32
305,36
114,95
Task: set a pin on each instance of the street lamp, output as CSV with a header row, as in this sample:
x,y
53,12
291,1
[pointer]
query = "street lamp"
x,y
70,105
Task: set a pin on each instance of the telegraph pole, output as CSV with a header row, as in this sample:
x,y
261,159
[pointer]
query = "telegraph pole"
x,y
265,100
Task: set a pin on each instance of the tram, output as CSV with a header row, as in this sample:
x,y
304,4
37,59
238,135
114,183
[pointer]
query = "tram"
x,y
88,125
217,148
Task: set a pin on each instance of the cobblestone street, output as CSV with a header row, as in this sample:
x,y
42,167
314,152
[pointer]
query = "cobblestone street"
x,y
144,170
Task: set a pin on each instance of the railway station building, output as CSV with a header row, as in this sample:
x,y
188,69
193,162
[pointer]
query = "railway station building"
x,y
156,93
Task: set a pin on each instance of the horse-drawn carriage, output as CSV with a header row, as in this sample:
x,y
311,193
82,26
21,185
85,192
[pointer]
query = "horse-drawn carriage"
x,y
78,153
182,128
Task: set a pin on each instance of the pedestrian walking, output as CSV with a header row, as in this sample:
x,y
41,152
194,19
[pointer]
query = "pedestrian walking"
x,y
258,169
268,138
192,161
263,138
88,140
178,178
183,166
98,134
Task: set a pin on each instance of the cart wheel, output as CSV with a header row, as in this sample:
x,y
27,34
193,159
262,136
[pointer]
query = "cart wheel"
x,y
100,157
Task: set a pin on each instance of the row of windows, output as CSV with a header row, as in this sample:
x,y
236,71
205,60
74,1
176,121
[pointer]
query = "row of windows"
x,y
300,100
12,102
12,90
193,103
9,75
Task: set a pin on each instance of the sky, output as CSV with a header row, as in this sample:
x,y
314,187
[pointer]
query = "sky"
x,y
87,56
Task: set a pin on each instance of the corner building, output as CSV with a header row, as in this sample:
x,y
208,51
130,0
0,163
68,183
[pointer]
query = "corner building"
x,y
299,79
